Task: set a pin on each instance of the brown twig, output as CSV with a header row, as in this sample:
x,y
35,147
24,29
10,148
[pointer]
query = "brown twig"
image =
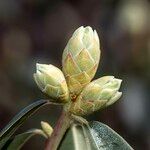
x,y
62,125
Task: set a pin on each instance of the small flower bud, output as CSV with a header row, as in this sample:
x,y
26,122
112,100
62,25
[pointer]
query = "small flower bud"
x,y
46,128
51,81
81,58
96,95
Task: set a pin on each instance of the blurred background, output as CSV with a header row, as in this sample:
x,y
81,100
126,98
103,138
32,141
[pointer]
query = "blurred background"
x,y
37,31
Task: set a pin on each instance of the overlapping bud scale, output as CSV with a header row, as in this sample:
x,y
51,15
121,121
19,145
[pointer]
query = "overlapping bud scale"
x,y
73,86
81,58
51,81
96,95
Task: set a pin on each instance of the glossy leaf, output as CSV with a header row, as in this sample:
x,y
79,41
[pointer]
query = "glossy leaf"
x,y
19,119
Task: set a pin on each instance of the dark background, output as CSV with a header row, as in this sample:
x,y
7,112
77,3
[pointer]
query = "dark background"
x,y
37,31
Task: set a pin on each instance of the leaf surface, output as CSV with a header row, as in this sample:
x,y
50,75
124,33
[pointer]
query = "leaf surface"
x,y
94,136
19,119
17,142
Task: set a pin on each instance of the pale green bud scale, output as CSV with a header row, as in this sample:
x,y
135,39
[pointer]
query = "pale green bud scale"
x,y
51,81
114,99
81,58
96,95
80,61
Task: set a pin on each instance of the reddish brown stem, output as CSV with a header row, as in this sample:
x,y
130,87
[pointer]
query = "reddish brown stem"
x,y
62,125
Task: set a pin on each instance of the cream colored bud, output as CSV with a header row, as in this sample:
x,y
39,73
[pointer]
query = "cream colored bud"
x,y
46,128
81,58
51,81
97,95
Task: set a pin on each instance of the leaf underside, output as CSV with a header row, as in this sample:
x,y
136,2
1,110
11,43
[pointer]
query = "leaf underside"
x,y
95,136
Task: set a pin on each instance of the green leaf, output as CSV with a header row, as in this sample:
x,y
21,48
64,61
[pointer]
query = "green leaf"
x,y
78,138
16,143
19,119
95,136
106,138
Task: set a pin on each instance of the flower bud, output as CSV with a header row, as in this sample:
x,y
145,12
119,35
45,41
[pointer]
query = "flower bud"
x,y
81,58
51,81
46,128
96,95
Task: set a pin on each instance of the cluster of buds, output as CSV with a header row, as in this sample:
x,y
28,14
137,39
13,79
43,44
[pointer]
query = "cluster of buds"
x,y
73,86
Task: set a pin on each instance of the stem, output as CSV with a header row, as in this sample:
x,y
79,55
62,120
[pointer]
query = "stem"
x,y
62,125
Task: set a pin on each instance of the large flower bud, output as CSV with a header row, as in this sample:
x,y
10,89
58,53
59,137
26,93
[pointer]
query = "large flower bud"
x,y
51,81
81,58
96,95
